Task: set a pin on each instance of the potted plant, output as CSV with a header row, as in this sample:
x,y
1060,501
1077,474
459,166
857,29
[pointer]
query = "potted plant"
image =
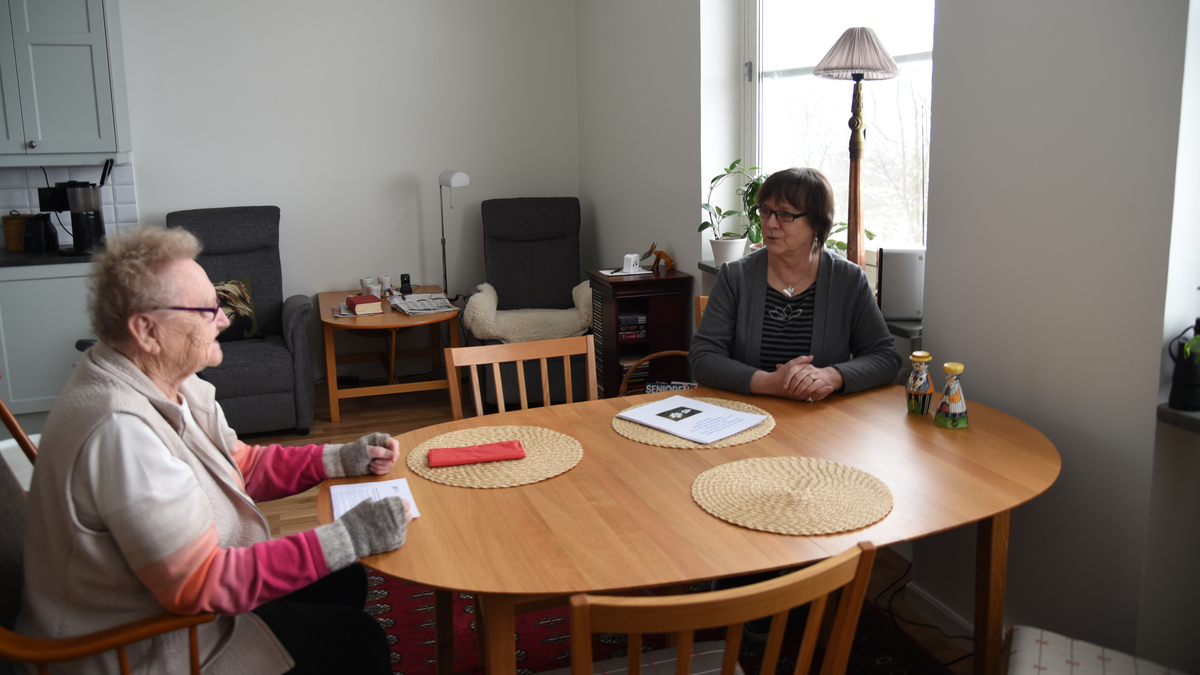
x,y
838,246
730,244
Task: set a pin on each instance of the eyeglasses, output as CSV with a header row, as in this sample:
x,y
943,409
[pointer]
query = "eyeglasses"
x,y
782,216
211,311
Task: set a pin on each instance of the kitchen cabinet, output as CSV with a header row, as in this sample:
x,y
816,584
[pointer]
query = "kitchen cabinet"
x,y
43,311
657,305
62,81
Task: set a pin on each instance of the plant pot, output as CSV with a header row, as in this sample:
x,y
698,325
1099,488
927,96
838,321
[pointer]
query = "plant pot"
x,y
727,250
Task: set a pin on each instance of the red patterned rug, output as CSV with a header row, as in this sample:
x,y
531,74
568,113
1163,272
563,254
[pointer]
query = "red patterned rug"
x,y
405,611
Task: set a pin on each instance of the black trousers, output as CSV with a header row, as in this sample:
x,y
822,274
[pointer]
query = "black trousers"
x,y
324,628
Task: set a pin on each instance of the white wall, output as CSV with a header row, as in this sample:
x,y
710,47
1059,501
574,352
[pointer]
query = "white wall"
x,y
343,114
639,127
1052,175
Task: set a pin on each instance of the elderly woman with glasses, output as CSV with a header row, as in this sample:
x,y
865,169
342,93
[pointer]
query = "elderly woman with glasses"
x,y
143,500
792,319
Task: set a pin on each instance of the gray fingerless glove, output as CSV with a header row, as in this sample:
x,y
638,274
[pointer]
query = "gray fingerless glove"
x,y
352,459
369,528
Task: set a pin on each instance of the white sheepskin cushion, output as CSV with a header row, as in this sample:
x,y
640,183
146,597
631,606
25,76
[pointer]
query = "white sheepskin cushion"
x,y
523,325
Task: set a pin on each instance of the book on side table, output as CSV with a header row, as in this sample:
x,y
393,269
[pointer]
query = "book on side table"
x,y
364,304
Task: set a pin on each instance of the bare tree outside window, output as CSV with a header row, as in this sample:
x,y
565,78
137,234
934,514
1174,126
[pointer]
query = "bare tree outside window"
x,y
803,119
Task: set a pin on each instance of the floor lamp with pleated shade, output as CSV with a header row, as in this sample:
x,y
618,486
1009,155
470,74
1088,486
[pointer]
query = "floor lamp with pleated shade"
x,y
858,55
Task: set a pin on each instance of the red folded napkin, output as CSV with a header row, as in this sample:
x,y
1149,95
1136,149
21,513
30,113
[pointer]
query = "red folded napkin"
x,y
474,454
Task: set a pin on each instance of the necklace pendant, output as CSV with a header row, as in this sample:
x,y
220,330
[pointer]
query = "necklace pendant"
x,y
789,290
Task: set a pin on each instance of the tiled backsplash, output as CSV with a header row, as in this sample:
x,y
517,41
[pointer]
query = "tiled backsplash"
x,y
18,191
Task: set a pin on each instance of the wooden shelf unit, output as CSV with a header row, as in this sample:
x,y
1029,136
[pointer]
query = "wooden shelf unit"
x,y
664,297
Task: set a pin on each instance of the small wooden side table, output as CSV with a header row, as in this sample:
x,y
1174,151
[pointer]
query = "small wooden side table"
x,y
393,322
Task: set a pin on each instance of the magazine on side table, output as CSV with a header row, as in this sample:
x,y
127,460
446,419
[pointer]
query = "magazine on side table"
x,y
414,304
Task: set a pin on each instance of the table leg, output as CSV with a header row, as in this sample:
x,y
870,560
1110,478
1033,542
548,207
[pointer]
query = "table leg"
x,y
443,627
331,375
436,358
991,573
499,614
391,365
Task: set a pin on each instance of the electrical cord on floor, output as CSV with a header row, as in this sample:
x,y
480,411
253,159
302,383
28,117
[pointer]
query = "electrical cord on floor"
x,y
895,618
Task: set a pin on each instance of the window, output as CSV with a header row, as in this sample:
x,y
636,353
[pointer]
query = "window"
x,y
802,119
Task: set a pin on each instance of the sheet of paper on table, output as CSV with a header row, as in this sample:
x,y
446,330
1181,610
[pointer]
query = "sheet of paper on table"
x,y
346,497
694,420
421,303
619,273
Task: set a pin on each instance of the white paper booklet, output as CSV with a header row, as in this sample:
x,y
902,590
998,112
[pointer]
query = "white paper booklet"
x,y
691,419
346,497
421,303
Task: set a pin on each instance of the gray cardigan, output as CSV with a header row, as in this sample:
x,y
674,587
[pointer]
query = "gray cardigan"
x,y
849,332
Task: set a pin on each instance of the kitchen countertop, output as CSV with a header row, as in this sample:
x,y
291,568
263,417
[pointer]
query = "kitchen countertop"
x,y
22,259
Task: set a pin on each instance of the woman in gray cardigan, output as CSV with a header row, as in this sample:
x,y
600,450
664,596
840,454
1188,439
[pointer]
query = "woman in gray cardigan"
x,y
791,319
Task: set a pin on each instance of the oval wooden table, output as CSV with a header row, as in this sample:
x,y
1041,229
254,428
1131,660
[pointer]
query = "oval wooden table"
x,y
624,516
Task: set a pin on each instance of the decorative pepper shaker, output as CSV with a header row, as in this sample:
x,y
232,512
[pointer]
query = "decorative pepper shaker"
x,y
952,411
919,387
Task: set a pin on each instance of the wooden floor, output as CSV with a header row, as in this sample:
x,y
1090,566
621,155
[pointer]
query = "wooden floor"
x,y
399,413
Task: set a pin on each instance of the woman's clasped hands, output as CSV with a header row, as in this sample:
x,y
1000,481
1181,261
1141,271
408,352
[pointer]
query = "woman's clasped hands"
x,y
798,379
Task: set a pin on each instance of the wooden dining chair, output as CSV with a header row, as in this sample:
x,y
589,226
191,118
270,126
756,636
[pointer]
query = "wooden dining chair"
x,y
18,434
540,351
17,648
681,615
701,303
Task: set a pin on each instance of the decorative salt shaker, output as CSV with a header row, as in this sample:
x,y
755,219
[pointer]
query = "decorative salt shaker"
x,y
952,411
919,387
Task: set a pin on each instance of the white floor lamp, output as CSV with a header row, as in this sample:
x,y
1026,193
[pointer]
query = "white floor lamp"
x,y
448,179
858,55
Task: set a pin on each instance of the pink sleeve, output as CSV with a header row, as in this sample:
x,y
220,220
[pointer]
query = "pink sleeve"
x,y
274,471
202,577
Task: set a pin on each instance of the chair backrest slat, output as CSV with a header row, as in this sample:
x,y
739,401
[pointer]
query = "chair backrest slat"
x,y
499,398
683,655
520,387
518,353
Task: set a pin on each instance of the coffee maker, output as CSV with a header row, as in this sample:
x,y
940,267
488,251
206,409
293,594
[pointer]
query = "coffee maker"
x,y
87,220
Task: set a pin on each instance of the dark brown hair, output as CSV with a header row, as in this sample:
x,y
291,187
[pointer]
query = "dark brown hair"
x,y
806,189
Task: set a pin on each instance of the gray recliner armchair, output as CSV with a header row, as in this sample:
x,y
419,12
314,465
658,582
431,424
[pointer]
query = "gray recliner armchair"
x,y
265,381
531,258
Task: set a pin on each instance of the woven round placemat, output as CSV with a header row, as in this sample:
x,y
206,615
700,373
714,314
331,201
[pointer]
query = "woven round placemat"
x,y
651,436
792,495
547,454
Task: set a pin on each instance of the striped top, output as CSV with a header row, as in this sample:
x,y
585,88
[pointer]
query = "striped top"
x,y
787,326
